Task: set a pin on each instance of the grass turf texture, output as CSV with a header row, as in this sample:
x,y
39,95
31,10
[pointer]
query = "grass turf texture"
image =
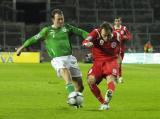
x,y
32,91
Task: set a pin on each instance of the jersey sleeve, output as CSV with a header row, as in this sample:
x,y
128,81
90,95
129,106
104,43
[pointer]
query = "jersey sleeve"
x,y
36,37
91,36
78,31
127,33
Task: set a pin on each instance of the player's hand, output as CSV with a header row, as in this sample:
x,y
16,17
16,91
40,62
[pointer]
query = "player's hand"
x,y
19,50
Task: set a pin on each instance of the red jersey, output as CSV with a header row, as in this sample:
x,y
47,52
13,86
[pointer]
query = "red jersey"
x,y
104,50
123,31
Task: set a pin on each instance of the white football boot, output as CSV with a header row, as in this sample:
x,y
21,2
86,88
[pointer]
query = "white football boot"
x,y
108,97
104,107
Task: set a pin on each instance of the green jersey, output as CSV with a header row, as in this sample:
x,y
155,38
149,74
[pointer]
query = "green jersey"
x,y
57,41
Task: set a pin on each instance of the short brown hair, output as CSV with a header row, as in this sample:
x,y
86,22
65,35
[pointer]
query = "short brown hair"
x,y
56,11
107,26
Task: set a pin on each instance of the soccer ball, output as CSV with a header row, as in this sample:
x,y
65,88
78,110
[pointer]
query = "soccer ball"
x,y
75,99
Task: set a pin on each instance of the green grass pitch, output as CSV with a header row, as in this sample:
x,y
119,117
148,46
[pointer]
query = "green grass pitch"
x,y
32,91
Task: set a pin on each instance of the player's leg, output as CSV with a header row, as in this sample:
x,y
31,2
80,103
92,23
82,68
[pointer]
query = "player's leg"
x,y
66,75
78,84
111,84
59,64
76,74
111,72
109,93
111,77
95,89
94,78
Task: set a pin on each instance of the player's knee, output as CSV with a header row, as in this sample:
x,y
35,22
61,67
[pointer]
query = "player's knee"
x,y
91,79
110,78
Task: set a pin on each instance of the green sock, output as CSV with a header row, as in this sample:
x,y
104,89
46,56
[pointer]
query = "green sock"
x,y
69,88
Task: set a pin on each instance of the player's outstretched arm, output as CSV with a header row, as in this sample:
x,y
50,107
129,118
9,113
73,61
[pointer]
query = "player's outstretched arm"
x,y
78,31
19,50
32,40
88,42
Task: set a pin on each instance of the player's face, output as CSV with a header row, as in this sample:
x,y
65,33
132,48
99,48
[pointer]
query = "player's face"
x,y
105,35
117,22
58,20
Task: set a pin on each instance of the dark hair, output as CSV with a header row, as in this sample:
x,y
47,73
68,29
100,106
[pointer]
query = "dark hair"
x,y
56,11
118,17
106,26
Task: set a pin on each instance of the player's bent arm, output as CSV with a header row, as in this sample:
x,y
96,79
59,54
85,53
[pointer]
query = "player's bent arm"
x,y
36,38
87,42
128,35
78,31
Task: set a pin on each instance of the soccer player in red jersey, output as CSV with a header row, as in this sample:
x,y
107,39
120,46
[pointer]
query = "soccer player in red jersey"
x,y
105,46
126,37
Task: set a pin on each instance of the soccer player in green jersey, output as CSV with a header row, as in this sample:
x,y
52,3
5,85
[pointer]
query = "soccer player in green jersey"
x,y
57,42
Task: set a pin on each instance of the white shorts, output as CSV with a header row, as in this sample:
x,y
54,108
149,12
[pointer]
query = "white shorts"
x,y
69,62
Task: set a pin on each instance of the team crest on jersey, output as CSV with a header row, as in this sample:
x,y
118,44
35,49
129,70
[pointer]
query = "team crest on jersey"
x,y
64,29
113,44
101,42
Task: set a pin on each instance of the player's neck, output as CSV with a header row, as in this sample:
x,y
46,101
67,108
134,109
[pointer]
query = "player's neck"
x,y
117,26
55,27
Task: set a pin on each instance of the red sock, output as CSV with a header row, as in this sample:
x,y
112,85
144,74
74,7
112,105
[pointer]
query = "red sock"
x,y
111,86
97,93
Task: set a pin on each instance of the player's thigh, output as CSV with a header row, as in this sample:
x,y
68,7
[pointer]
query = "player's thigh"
x,y
73,67
111,68
58,64
95,74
